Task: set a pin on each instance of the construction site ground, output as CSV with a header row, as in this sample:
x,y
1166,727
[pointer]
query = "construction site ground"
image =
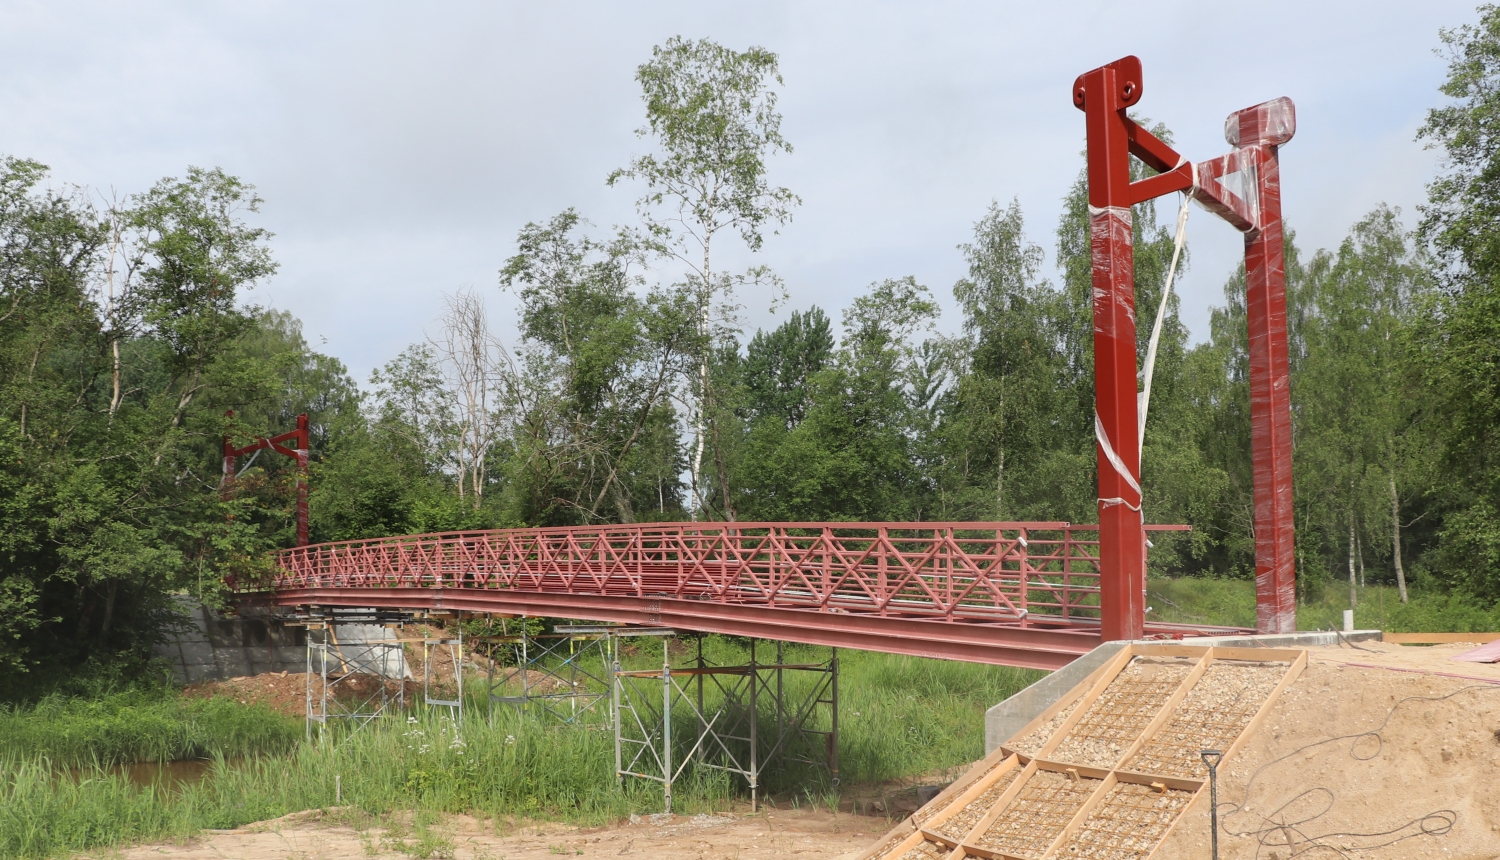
x,y
1375,751
768,834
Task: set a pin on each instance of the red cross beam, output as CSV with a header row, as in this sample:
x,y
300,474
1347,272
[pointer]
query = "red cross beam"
x,y
1243,188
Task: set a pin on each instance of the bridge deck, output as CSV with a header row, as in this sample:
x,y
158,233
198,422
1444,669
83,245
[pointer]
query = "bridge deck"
x,y
1018,594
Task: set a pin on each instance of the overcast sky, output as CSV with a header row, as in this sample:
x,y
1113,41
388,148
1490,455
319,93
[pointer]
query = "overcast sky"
x,y
399,147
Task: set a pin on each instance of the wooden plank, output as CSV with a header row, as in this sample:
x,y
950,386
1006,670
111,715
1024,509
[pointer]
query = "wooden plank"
x,y
976,788
1202,794
1064,767
1082,814
1164,649
1257,655
989,817
906,843
963,783
1173,782
1438,638
1164,714
1293,672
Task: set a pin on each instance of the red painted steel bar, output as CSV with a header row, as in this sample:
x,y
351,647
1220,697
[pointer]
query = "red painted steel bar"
x,y
1105,96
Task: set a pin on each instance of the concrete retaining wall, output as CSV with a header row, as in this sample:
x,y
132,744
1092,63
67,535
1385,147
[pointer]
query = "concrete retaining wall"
x,y
216,647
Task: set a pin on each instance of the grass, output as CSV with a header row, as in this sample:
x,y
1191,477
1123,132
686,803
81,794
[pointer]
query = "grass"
x,y
1378,607
900,716
144,725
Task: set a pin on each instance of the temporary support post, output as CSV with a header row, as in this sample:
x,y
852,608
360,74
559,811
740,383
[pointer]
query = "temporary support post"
x,y
455,650
355,682
555,672
725,731
275,443
1252,205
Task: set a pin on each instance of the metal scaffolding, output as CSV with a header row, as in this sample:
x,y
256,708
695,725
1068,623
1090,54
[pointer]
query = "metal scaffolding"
x,y
729,736
355,683
563,675
454,648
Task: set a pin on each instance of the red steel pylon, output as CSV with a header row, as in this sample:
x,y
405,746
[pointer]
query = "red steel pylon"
x,y
299,453
1253,206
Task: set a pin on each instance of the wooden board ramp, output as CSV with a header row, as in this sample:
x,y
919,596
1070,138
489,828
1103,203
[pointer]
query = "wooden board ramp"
x,y
1107,771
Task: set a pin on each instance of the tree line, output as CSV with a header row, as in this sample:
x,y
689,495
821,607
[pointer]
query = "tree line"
x,y
631,392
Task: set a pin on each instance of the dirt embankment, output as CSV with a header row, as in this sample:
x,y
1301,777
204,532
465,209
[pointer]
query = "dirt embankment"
x,y
1375,752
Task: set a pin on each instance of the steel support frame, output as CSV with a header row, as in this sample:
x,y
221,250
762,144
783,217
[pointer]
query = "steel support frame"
x,y
333,667
1031,648
455,651
1105,95
583,688
727,737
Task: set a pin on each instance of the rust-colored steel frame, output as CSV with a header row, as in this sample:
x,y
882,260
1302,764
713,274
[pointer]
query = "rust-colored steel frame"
x,y
275,443
1105,95
1020,594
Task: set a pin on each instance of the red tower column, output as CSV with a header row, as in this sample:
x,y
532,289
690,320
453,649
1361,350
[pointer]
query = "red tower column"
x,y
303,444
1263,128
1104,95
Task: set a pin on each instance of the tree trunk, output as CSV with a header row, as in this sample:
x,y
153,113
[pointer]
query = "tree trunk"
x,y
1353,597
109,612
1359,552
1000,457
1396,539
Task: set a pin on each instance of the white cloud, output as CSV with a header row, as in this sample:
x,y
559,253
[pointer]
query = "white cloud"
x,y
399,147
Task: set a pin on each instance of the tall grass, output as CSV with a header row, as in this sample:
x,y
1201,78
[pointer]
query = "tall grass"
x,y
899,716
146,725
1232,602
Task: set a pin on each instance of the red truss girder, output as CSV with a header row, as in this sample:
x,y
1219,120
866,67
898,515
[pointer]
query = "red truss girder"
x,y
1253,206
1021,594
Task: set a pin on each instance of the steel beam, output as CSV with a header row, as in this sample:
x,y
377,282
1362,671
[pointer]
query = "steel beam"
x,y
1264,127
1004,646
1254,207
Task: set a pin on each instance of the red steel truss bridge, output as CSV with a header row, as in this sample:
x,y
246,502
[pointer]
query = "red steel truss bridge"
x,y
1016,594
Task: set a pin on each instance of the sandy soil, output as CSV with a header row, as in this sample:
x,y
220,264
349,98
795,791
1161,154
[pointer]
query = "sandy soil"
x,y
1399,761
786,833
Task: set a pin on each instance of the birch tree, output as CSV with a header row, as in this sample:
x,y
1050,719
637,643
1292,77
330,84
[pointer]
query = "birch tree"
x,y
712,113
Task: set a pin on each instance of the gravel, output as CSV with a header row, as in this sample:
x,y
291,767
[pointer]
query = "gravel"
x,y
1212,716
1127,823
1114,721
957,827
1038,812
1038,737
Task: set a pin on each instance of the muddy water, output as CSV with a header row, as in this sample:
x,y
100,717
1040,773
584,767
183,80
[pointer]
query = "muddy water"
x,y
166,774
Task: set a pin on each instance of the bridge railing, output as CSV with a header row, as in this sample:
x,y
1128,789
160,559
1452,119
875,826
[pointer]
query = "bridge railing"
x,y
1016,573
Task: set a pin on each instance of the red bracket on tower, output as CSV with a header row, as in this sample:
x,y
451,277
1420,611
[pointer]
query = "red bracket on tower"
x,y
1243,188
275,443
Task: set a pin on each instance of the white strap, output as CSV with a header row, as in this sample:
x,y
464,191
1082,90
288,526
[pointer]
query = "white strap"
x,y
1144,398
1114,460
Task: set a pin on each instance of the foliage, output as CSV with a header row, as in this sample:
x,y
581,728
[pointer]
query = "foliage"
x,y
1461,341
901,716
124,337
142,725
713,114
